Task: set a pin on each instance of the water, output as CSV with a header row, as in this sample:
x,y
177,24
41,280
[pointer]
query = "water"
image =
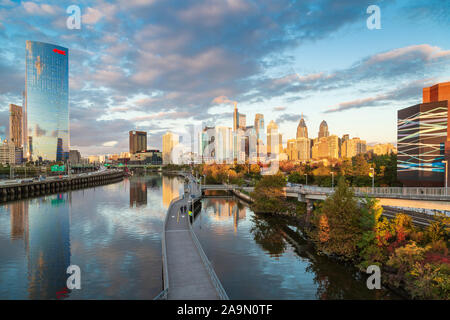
x,y
113,233
261,257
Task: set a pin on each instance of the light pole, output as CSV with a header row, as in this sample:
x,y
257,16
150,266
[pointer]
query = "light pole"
x,y
446,175
306,175
332,179
373,179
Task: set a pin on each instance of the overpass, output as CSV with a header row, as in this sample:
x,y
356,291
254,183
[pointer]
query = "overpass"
x,y
420,203
320,193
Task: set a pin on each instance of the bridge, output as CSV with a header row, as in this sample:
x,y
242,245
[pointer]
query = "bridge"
x,y
419,203
320,193
187,272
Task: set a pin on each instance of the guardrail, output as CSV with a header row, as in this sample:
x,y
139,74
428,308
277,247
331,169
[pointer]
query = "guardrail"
x,y
163,294
215,280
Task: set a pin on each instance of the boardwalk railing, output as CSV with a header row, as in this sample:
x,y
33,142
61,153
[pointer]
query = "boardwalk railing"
x,y
215,280
163,294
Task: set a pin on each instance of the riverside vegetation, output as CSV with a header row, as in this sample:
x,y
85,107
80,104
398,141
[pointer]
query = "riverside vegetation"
x,y
413,260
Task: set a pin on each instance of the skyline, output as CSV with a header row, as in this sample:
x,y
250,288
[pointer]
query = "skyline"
x,y
149,74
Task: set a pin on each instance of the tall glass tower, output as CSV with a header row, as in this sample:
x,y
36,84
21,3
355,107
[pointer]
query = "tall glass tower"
x,y
47,101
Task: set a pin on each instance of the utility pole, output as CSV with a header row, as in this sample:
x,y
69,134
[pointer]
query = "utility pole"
x,y
332,179
446,175
373,179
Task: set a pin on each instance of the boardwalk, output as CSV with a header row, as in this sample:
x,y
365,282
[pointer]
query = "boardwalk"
x,y
189,274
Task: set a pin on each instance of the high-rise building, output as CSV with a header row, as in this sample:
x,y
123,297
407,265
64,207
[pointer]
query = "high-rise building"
x,y
47,101
16,125
302,130
239,119
323,130
303,149
382,148
9,153
170,140
274,139
422,139
333,147
352,147
75,157
138,141
291,149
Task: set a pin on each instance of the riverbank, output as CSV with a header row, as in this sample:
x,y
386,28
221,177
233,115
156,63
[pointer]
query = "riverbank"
x,y
29,188
424,273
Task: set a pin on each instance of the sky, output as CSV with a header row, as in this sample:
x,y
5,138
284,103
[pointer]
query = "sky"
x,y
162,65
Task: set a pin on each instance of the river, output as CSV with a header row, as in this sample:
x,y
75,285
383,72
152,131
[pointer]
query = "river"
x,y
113,233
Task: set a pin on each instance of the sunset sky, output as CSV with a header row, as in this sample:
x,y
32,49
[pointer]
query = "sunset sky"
x,y
158,65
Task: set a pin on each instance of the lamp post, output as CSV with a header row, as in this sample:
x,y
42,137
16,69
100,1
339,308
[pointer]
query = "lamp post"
x,y
306,175
373,179
446,175
332,179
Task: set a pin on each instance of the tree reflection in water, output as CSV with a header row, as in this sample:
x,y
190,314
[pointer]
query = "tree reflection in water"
x,y
334,280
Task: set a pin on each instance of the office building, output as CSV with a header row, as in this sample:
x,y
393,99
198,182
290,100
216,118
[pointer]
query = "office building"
x,y
74,157
302,130
422,139
9,153
274,139
137,141
170,141
47,101
323,130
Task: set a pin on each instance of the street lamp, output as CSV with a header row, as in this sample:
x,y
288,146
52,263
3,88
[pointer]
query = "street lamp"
x,y
446,173
306,175
373,179
332,179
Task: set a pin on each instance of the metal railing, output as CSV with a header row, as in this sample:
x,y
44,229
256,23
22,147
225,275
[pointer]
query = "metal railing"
x,y
418,192
214,279
163,294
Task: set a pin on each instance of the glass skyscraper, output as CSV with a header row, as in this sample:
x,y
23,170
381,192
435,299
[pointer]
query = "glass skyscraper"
x,y
47,101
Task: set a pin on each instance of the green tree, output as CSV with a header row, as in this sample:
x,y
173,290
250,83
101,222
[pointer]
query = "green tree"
x,y
344,222
268,194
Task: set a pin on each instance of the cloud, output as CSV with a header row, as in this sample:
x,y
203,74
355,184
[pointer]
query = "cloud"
x,y
288,117
402,94
40,9
38,131
112,143
279,108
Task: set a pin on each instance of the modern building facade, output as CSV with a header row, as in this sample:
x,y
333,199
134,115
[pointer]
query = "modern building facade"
x,y
16,125
323,130
170,140
137,141
421,138
47,101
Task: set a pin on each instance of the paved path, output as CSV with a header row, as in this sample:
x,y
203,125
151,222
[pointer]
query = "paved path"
x,y
188,276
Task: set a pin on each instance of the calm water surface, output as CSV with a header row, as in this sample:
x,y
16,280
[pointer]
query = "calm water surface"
x,y
113,233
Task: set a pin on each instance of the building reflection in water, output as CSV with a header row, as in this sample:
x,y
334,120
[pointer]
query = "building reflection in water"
x,y
19,220
171,189
138,193
225,209
45,231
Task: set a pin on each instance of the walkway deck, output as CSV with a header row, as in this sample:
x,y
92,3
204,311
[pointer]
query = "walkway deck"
x,y
190,277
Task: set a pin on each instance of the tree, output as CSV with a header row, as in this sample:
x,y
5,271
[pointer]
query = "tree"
x,y
343,219
268,195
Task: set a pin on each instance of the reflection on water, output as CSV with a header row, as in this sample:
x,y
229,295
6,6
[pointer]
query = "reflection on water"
x,y
111,232
262,257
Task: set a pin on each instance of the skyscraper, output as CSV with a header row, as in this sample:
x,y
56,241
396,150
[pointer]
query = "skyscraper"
x,y
16,125
138,141
274,139
170,140
302,130
47,100
323,130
